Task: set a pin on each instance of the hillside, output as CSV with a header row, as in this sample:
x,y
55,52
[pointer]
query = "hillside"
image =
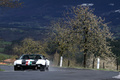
x,y
33,18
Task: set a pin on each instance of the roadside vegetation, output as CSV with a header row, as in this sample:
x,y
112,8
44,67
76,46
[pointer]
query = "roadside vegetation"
x,y
83,34
1,70
4,56
4,45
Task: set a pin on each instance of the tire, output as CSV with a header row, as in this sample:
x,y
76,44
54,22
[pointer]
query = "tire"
x,y
42,68
22,68
18,68
15,68
47,68
34,68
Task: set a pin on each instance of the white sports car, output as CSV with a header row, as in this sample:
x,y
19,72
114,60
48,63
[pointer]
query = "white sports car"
x,y
31,61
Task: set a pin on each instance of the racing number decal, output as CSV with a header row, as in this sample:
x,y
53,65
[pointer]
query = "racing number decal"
x,y
28,63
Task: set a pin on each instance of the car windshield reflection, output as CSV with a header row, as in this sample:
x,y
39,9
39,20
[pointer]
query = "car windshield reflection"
x,y
31,57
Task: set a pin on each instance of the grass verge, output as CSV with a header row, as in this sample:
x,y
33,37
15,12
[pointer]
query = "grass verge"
x,y
2,70
95,69
89,68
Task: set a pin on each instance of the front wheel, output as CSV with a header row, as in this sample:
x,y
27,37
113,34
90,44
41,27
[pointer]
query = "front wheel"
x,y
42,68
15,68
47,68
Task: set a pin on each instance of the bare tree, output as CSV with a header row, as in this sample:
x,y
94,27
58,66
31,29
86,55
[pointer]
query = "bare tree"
x,y
60,36
83,30
29,46
90,31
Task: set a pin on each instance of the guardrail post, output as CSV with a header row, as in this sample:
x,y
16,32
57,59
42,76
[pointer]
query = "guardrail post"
x,y
98,63
61,60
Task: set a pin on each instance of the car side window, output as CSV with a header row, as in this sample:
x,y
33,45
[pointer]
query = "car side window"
x,y
37,57
44,57
25,57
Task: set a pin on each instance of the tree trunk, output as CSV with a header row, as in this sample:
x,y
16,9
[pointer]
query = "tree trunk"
x,y
117,64
85,44
93,63
84,60
68,62
103,65
59,60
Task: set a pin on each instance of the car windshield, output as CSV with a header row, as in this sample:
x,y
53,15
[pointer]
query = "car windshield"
x,y
31,57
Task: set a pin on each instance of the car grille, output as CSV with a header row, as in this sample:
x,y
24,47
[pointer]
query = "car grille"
x,y
33,62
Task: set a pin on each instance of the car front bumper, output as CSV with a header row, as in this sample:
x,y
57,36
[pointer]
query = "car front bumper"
x,y
33,66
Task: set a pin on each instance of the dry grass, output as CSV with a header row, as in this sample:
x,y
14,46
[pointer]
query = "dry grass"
x,y
108,63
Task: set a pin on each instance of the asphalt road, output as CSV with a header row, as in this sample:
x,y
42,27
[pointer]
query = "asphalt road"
x,y
56,74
